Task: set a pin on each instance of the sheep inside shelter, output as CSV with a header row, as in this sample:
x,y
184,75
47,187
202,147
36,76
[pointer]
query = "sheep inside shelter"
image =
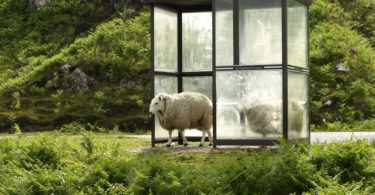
x,y
186,110
249,57
266,119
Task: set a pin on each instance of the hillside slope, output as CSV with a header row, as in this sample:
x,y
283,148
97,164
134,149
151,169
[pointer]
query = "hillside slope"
x,y
88,61
101,77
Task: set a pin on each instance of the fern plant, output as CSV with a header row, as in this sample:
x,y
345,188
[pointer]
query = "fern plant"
x,y
17,99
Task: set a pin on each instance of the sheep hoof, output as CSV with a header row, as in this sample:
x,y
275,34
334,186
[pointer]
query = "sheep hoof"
x,y
168,145
210,144
186,144
200,145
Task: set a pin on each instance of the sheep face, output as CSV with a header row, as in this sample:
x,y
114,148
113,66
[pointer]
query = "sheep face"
x,y
158,103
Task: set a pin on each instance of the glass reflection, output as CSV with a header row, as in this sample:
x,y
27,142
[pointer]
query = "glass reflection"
x,y
249,104
297,34
197,41
260,32
224,32
165,40
298,121
164,84
203,85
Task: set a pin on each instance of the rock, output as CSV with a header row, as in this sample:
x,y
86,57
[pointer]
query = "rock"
x,y
65,69
50,83
127,84
69,79
81,81
37,4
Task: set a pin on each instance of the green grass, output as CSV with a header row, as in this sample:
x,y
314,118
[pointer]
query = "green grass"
x,y
124,140
115,54
357,126
109,163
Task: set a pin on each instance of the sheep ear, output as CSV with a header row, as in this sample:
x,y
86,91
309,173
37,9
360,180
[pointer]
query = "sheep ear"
x,y
161,96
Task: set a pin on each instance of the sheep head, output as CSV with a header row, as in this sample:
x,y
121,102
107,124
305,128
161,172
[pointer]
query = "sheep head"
x,y
158,104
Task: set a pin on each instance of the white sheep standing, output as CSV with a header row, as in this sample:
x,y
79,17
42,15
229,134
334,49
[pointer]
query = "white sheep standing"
x,y
186,110
264,119
267,118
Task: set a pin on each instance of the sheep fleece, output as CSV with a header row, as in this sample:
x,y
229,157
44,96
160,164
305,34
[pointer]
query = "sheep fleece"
x,y
186,110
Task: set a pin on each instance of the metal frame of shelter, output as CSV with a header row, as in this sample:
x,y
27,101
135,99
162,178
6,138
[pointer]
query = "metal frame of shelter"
x,y
186,6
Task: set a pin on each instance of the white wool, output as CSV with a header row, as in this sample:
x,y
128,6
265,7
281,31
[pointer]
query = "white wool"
x,y
186,110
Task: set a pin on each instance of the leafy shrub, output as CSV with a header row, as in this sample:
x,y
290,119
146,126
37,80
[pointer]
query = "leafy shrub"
x,y
50,164
27,32
350,93
293,172
17,129
115,54
366,125
88,143
116,188
332,186
287,172
112,50
349,161
74,127
342,61
16,95
119,170
42,152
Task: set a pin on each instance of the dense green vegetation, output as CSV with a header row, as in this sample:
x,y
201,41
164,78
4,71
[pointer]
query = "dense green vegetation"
x,y
29,32
111,44
342,50
109,41
114,54
58,163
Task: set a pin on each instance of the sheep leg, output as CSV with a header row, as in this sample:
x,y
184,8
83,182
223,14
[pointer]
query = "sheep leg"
x,y
169,139
182,133
203,138
209,138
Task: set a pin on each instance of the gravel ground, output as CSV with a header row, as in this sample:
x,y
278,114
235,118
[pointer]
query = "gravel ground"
x,y
317,137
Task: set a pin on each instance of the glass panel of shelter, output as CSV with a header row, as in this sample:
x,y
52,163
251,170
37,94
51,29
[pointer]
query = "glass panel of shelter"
x,y
249,102
260,32
252,109
298,118
200,84
197,55
165,57
164,84
297,34
224,32
165,39
196,41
